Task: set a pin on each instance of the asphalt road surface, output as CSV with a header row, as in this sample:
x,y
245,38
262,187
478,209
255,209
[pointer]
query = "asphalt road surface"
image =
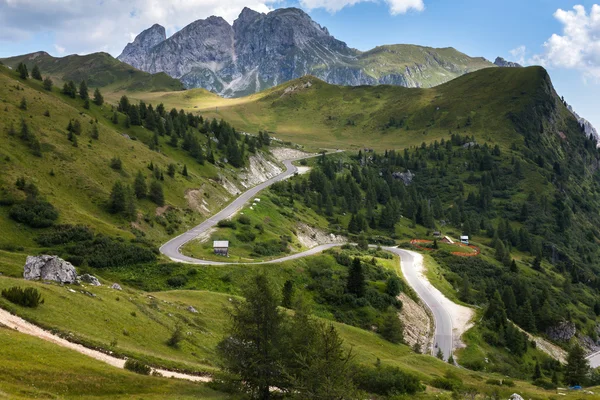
x,y
443,322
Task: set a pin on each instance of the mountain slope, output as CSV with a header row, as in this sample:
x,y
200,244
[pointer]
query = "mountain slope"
x,y
98,69
263,50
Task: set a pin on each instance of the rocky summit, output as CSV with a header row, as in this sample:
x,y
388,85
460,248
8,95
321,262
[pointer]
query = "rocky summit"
x,y
263,50
501,62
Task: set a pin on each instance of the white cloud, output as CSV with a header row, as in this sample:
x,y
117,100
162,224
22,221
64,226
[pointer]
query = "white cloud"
x,y
518,55
395,6
59,49
578,47
84,26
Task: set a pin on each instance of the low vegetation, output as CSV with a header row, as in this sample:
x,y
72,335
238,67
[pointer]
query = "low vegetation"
x,y
28,297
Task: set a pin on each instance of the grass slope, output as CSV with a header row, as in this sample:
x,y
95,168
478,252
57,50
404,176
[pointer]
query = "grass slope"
x,y
314,113
98,69
33,368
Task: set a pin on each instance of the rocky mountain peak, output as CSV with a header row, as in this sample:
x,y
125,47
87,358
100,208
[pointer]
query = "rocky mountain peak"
x,y
501,62
137,50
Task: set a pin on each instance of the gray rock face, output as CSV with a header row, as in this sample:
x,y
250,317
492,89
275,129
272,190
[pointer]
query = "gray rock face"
x,y
501,62
586,125
49,268
563,331
116,286
515,396
90,280
192,310
263,50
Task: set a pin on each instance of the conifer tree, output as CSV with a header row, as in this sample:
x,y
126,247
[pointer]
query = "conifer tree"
x,y
95,134
392,329
22,71
98,98
118,199
115,118
48,84
83,91
185,171
139,186
23,104
35,73
156,193
287,294
577,367
356,279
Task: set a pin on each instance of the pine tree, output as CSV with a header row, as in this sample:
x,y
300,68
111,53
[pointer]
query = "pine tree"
x,y
98,98
86,104
495,314
392,329
48,84
23,104
577,367
139,186
95,134
171,170
25,134
118,199
22,71
537,372
356,279
451,359
526,318
287,294
156,193
115,118
254,338
185,171
440,354
35,73
83,91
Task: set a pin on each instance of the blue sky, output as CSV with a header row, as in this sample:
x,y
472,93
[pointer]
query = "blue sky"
x,y
475,27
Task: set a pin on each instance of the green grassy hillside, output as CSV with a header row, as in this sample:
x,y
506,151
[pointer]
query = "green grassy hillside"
x,y
311,112
390,59
98,69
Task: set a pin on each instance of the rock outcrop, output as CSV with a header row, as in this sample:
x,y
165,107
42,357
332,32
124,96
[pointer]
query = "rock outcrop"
x,y
90,280
116,286
49,268
263,50
586,125
564,331
501,62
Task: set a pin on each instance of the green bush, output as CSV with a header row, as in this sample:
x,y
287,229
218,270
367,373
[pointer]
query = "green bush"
x,y
177,281
544,384
244,220
63,234
508,383
226,223
175,338
447,384
386,381
495,382
246,235
34,213
137,367
28,297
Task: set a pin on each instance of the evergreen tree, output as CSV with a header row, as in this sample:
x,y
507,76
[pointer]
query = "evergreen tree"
x,y
451,359
22,71
537,264
23,104
254,339
495,314
98,98
115,118
393,286
156,193
577,367
392,329
83,91
510,302
171,170
35,73
185,171
48,84
440,354
356,284
118,199
130,211
287,294
139,186
86,104
537,372
95,134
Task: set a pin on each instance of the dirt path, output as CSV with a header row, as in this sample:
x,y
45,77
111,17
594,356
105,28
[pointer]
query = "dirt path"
x,y
19,324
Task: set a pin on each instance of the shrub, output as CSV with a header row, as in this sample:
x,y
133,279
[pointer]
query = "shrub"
x,y
28,297
175,338
495,382
177,281
34,213
63,234
447,384
244,220
246,236
226,223
137,367
544,384
386,381
508,383
116,164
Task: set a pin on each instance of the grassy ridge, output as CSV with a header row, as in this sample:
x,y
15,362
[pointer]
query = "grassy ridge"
x,y
314,113
98,69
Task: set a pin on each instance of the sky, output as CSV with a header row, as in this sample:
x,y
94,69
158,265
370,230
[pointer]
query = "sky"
x,y
561,35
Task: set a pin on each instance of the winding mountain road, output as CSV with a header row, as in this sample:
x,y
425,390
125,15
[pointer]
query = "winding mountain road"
x,y
442,317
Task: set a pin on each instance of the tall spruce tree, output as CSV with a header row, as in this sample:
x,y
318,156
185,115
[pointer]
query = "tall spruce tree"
x,y
83,90
577,367
35,73
356,284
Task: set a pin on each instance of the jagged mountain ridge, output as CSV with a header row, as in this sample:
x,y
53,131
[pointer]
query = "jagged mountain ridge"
x,y
263,50
501,62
